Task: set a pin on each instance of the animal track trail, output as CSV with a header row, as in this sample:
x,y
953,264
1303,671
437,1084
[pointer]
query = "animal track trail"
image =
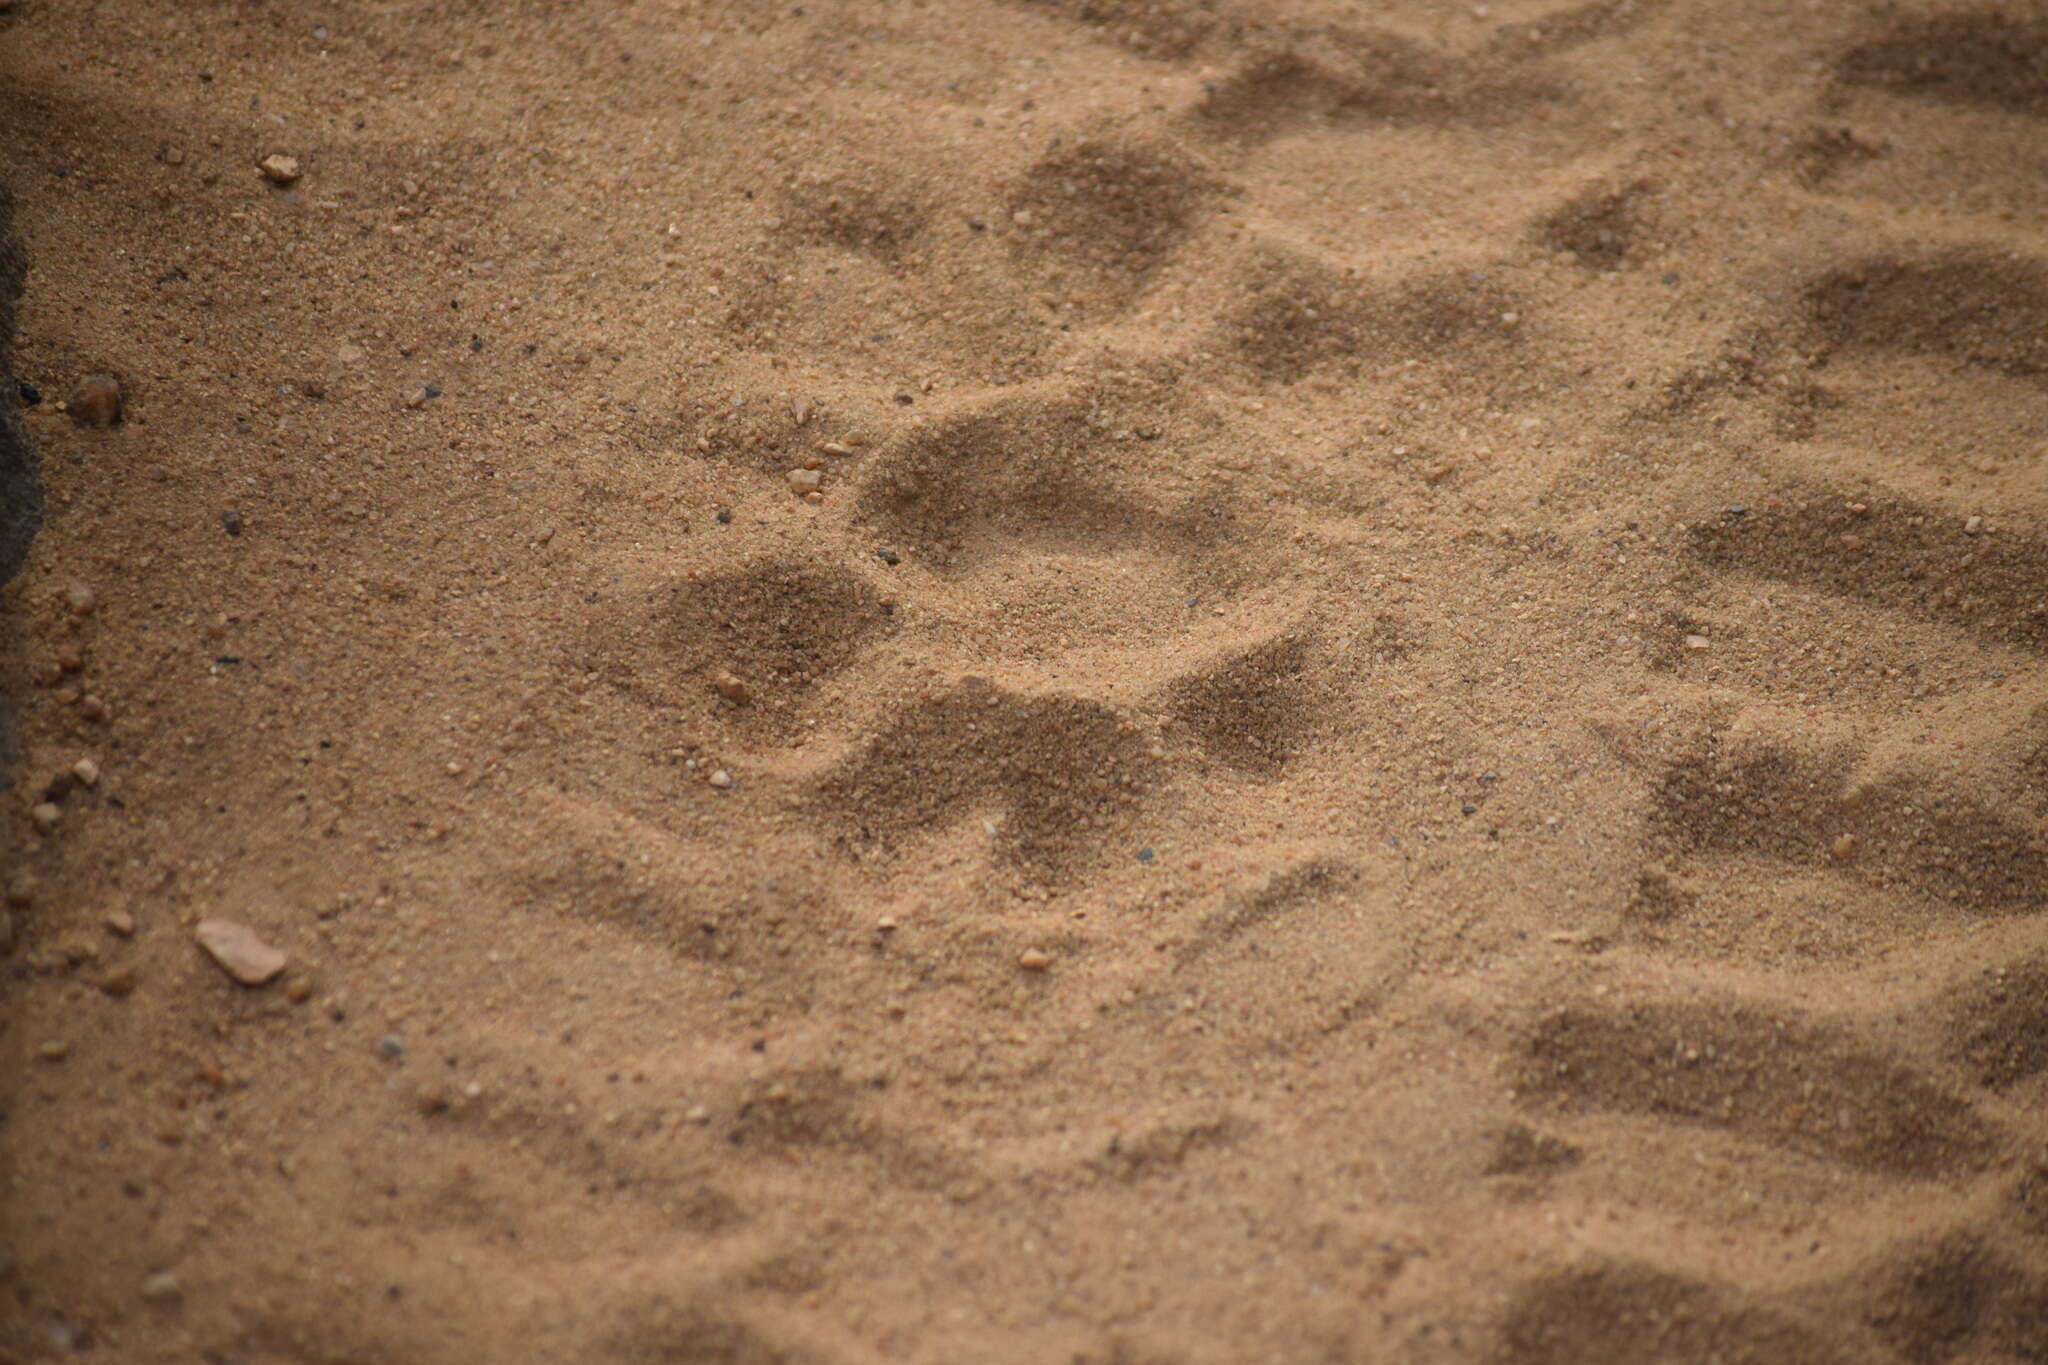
x,y
1599,226
1637,1312
1766,1078
1980,309
1983,57
1998,1029
1892,552
1097,221
1778,803
745,644
1060,773
1341,76
1253,712
1016,477
1960,1295
1300,315
885,222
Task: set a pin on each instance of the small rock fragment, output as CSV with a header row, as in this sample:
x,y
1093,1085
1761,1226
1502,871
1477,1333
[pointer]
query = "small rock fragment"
x,y
391,1047
732,687
86,771
163,1287
279,169
806,480
721,779
45,815
298,990
122,923
119,983
1844,847
1974,526
81,599
697,1113
21,889
1034,960
96,402
888,556
236,947
1697,642
6,932
56,1050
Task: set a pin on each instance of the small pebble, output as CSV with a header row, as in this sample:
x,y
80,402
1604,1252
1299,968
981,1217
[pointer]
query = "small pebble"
x,y
1034,960
163,1287
697,1113
1844,847
279,169
122,923
81,599
1974,526
92,708
86,771
45,815
21,889
1697,642
244,956
886,924
69,659
55,1050
298,990
119,983
732,687
231,522
721,779
391,1047
888,556
6,932
96,402
806,480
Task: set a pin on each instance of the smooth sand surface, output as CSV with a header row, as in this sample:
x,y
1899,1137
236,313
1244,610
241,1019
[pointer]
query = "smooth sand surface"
x,y
1410,723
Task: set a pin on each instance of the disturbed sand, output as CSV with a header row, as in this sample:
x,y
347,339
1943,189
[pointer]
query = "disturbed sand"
x,y
1174,682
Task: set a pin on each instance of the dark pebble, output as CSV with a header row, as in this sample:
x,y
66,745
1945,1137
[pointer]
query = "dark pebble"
x,y
1145,855
725,516
231,522
887,555
30,394
391,1047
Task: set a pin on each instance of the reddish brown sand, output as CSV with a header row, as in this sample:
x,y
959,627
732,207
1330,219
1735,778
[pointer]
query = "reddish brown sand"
x,y
1447,759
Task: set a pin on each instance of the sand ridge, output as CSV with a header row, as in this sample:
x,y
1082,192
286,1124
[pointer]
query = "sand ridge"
x,y
1407,724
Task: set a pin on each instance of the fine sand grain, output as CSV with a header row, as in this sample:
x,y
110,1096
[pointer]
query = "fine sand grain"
x,y
1144,681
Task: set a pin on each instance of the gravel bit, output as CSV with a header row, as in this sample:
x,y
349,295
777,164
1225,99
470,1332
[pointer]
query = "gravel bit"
x,y
96,402
236,947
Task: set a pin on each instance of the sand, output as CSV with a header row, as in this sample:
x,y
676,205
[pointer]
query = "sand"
x,y
1410,722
